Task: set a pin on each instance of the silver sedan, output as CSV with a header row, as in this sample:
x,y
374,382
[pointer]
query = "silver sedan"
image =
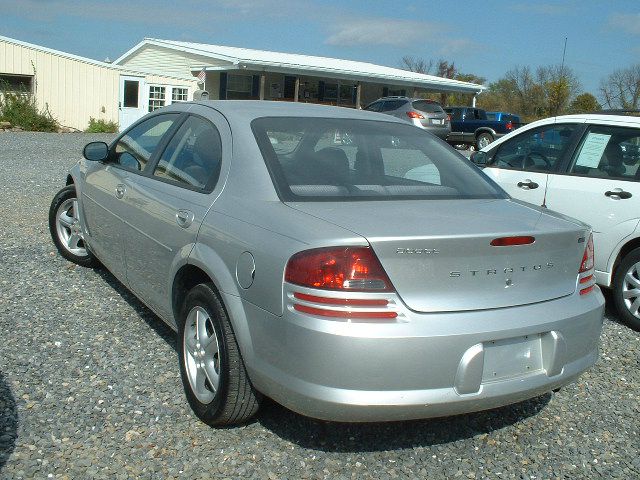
x,y
344,263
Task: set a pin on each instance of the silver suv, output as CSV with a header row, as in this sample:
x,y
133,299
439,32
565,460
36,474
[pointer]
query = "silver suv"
x,y
426,114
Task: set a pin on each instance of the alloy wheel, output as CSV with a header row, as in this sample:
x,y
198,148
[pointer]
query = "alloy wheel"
x,y
631,290
201,355
68,228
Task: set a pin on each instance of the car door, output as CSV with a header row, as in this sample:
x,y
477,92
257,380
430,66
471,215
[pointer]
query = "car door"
x,y
105,185
521,165
164,210
602,187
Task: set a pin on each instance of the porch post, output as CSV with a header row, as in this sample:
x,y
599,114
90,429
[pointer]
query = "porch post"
x,y
358,95
262,80
415,92
296,89
473,101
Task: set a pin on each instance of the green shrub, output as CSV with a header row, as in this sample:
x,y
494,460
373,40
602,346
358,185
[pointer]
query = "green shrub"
x,y
21,110
101,126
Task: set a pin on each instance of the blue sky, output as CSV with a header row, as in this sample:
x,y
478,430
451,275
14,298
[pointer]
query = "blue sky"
x,y
486,38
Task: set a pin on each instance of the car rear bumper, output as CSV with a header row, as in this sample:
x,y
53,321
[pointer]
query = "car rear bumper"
x,y
428,365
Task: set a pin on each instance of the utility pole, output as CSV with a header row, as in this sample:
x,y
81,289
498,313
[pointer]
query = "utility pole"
x,y
564,51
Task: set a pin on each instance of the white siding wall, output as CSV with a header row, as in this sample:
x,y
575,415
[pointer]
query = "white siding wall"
x,y
168,61
71,88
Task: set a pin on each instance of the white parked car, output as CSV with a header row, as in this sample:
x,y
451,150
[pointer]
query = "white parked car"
x,y
587,167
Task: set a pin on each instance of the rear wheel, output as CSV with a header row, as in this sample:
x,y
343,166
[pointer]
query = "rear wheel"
x,y
65,228
626,289
483,140
213,374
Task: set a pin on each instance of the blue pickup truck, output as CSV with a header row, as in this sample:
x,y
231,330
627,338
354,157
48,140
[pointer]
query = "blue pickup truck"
x,y
472,126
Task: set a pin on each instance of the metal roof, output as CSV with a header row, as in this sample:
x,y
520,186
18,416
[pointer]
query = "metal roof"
x,y
263,60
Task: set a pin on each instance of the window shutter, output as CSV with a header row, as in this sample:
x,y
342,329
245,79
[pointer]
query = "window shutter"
x,y
320,91
385,91
223,85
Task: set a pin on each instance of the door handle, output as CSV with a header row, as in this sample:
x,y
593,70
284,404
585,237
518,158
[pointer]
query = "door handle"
x,y
528,185
617,194
120,191
184,218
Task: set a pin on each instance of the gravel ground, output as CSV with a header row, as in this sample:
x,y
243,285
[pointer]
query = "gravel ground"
x,y
89,384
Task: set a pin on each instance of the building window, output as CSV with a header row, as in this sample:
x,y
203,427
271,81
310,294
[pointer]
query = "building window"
x,y
179,95
16,83
239,87
156,98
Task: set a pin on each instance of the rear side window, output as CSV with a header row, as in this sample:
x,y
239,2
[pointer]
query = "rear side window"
x,y
349,159
536,150
492,116
393,105
456,113
374,107
134,149
609,152
193,156
427,107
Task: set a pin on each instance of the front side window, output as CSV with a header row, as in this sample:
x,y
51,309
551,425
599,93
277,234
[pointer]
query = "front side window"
x,y
156,97
608,152
349,159
538,150
134,149
193,156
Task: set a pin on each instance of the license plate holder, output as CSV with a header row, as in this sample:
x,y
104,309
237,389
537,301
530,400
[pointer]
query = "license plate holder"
x,y
511,358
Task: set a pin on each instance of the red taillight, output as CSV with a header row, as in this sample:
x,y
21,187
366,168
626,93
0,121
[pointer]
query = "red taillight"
x,y
338,268
510,241
412,114
509,126
322,312
587,257
359,302
585,267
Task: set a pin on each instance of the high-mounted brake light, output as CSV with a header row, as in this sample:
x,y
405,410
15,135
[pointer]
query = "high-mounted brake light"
x,y
412,114
510,241
338,268
587,281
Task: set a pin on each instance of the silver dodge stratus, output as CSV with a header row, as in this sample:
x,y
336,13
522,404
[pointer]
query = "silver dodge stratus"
x,y
348,265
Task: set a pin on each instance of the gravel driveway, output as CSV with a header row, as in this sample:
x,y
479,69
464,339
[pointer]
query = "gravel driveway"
x,y
89,384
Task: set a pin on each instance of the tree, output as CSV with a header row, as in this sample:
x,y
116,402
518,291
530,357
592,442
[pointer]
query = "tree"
x,y
584,103
621,89
418,65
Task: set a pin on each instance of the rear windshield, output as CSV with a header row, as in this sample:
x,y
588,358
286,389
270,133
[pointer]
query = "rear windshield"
x,y
312,159
427,107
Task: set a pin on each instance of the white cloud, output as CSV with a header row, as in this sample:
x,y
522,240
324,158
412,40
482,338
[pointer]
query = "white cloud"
x,y
381,31
627,22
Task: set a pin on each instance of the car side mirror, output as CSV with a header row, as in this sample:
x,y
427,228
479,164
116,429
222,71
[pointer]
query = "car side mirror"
x,y
480,158
96,151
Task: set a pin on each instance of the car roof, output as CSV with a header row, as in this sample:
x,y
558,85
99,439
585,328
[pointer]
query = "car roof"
x,y
601,117
248,110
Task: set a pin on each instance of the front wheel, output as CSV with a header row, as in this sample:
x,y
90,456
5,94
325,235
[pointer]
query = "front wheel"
x,y
626,289
213,373
483,140
65,228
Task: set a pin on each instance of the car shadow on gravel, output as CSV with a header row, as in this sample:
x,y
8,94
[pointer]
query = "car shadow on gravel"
x,y
355,437
162,329
8,422
382,436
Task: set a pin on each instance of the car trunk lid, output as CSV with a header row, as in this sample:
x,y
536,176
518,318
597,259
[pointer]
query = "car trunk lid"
x,y
439,257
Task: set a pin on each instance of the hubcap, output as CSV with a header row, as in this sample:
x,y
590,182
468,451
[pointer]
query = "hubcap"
x,y
483,142
201,355
68,228
631,290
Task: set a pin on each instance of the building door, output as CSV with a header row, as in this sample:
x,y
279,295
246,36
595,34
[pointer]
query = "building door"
x,y
131,103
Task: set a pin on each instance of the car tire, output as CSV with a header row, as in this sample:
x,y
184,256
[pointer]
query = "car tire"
x,y
65,228
483,140
625,281
213,373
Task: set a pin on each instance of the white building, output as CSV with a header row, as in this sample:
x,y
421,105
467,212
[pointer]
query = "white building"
x,y
156,73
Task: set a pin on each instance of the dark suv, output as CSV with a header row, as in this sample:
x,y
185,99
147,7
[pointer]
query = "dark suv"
x,y
426,114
